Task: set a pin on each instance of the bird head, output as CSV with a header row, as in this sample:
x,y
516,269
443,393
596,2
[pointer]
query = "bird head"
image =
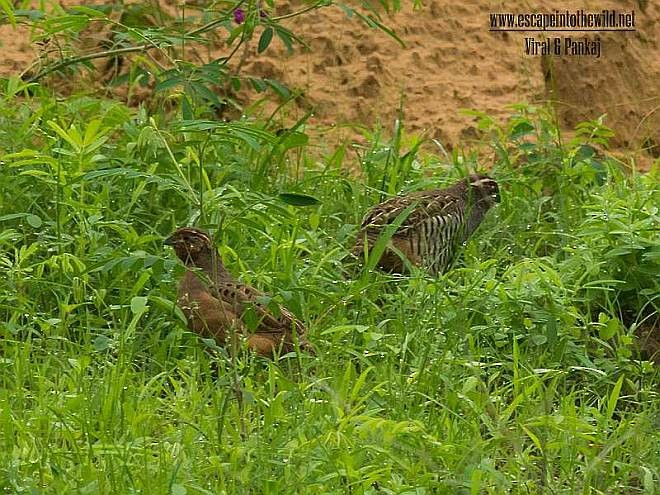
x,y
193,246
485,188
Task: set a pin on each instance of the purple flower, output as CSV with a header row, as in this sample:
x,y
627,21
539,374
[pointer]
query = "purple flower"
x,y
239,16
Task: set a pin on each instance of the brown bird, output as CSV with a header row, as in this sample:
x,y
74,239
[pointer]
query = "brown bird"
x,y
216,305
438,222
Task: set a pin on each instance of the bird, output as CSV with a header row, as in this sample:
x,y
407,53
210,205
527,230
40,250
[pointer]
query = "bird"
x,y
437,222
216,304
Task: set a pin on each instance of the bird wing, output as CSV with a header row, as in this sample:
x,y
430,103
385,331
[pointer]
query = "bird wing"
x,y
436,214
243,297
428,204
271,330
433,208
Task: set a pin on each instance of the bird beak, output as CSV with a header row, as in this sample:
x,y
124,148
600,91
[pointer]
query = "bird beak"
x,y
169,241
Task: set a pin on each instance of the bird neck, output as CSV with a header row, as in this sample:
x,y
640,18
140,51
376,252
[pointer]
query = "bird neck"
x,y
476,211
210,262
475,195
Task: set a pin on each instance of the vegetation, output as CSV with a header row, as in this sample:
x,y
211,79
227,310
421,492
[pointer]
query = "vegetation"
x,y
517,371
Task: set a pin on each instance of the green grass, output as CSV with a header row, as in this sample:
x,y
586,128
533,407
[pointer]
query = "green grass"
x,y
515,372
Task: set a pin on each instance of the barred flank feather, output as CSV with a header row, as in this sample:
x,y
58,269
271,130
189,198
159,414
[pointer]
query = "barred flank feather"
x,y
440,221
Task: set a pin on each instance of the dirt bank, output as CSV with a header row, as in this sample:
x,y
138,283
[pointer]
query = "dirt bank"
x,y
452,61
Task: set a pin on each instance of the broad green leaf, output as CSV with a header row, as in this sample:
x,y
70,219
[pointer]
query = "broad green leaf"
x,y
71,136
34,221
296,199
186,108
138,304
294,140
609,329
521,129
101,343
285,36
265,39
614,397
258,84
89,11
280,89
178,489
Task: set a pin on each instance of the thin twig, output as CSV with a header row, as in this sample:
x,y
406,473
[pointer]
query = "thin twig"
x,y
84,58
148,46
131,49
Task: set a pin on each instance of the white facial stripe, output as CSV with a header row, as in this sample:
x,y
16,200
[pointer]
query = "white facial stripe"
x,y
484,182
203,236
190,233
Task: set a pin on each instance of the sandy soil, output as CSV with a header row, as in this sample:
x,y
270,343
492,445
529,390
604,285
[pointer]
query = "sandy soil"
x,y
451,61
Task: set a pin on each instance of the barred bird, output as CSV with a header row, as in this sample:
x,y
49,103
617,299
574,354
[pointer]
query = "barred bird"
x,y
216,305
438,222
